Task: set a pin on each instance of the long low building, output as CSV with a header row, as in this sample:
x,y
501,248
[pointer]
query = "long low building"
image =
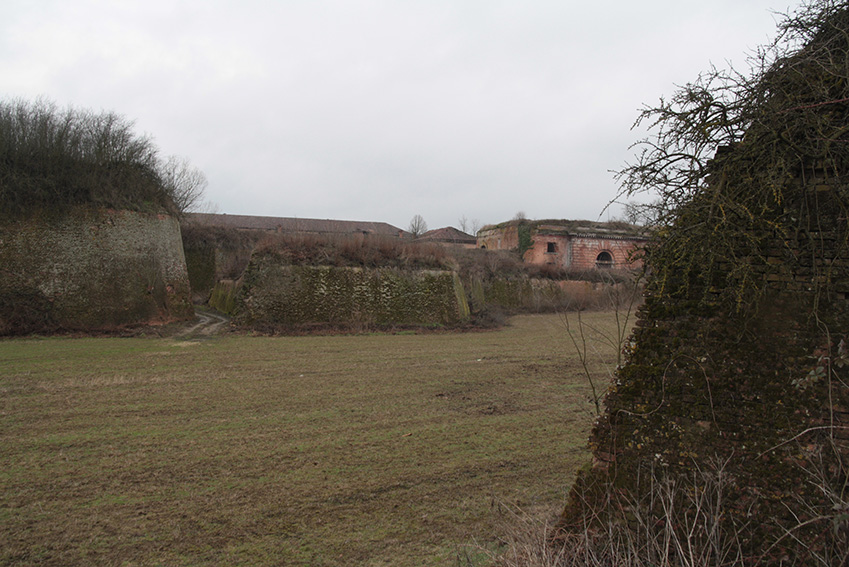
x,y
295,225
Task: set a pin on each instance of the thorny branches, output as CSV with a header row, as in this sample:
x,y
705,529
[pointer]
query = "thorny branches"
x,y
725,151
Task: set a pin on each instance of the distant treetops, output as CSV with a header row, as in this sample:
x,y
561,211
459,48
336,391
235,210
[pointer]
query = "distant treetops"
x,y
51,159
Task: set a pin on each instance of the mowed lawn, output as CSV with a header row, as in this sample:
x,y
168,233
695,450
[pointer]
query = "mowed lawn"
x,y
333,450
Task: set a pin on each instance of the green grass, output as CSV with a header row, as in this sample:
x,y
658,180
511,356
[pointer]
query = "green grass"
x,y
346,450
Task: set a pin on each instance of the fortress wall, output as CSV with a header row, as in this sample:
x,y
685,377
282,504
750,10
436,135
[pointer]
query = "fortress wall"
x,y
91,268
279,295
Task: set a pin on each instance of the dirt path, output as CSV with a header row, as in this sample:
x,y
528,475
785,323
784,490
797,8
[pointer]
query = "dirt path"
x,y
207,324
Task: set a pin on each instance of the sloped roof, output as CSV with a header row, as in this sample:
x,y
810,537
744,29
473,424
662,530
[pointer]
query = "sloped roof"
x,y
447,234
289,224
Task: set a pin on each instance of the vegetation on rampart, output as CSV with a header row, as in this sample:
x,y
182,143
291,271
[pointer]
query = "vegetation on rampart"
x,y
51,159
734,391
615,226
730,154
363,251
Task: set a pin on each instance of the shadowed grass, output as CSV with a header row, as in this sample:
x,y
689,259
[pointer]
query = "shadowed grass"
x,y
370,449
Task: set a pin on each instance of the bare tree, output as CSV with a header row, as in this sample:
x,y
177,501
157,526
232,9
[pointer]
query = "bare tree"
x,y
418,226
643,214
476,226
469,226
184,182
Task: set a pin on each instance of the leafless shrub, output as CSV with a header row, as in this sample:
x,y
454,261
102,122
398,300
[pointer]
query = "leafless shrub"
x,y
55,158
680,521
184,182
354,250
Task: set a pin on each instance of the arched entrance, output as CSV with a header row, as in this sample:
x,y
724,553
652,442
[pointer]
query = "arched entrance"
x,y
604,260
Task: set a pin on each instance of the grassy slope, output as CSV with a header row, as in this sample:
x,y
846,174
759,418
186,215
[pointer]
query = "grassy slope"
x,y
373,449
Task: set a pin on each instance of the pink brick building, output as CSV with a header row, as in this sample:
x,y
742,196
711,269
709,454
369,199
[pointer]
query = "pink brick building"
x,y
579,245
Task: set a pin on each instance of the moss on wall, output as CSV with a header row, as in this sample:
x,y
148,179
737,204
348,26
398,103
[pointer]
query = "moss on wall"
x,y
525,239
214,254
285,296
526,294
733,362
223,296
200,264
91,269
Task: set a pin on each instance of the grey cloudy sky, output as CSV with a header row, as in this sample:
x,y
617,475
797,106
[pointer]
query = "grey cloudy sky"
x,y
381,109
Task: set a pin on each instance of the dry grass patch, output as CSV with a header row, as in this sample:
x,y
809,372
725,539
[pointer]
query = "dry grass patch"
x,y
370,449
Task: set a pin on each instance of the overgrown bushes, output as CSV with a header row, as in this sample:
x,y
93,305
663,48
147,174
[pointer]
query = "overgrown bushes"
x,y
364,251
51,159
735,356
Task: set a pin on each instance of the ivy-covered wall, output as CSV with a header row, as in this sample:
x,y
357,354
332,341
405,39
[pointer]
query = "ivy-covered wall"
x,y
274,294
739,368
89,268
223,296
729,422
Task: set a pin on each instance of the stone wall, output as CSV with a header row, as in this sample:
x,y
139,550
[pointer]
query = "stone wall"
x,y
275,295
91,269
214,254
537,295
499,238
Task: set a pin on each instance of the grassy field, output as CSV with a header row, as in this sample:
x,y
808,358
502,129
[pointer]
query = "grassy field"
x,y
343,450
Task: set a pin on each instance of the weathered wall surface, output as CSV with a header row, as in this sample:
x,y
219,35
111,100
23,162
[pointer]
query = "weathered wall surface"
x,y
499,238
540,295
91,269
550,249
214,254
585,251
274,294
741,366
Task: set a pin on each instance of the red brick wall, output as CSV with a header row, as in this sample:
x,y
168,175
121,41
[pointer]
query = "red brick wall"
x,y
569,251
538,254
580,252
585,251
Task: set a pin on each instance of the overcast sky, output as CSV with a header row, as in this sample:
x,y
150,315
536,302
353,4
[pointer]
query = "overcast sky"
x,y
380,110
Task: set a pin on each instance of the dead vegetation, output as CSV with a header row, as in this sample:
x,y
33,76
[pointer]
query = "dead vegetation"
x,y
677,522
370,251
346,450
53,159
